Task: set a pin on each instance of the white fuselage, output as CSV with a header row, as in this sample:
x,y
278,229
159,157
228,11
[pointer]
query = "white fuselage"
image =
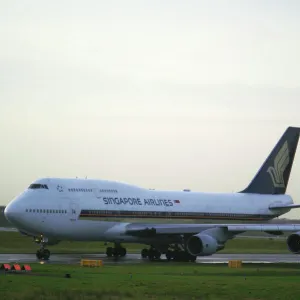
x,y
86,209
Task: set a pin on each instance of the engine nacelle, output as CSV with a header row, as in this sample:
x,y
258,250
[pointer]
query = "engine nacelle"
x,y
202,244
293,242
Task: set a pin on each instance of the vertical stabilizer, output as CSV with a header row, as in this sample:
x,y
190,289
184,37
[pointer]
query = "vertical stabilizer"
x,y
273,176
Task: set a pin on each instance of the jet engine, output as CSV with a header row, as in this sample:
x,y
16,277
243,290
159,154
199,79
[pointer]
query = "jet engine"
x,y
293,242
202,244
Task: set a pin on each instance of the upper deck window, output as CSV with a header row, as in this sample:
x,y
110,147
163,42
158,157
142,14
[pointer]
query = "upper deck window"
x,y
38,186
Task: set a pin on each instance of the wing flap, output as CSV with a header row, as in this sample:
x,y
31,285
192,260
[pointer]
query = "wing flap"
x,y
160,229
264,227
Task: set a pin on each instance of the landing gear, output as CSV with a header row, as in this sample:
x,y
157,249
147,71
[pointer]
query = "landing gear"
x,y
152,253
42,253
174,255
117,251
144,253
183,256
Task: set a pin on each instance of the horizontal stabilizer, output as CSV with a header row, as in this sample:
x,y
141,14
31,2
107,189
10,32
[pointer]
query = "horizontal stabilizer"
x,y
278,206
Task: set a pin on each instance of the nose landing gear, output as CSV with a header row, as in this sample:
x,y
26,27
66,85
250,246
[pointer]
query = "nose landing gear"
x,y
42,253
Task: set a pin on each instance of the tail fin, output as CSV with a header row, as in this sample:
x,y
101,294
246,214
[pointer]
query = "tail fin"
x,y
273,176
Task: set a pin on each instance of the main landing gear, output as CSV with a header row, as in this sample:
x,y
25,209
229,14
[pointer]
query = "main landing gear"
x,y
117,251
151,253
175,255
42,253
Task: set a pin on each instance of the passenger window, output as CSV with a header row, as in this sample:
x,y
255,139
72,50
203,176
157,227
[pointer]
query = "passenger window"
x,y
29,210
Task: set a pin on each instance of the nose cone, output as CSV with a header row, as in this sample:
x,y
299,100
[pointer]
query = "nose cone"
x,y
11,212
15,213
8,212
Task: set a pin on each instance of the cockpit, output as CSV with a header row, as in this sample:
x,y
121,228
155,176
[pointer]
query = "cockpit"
x,y
38,186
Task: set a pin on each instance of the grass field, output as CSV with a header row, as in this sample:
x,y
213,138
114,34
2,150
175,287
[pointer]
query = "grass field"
x,y
12,242
155,281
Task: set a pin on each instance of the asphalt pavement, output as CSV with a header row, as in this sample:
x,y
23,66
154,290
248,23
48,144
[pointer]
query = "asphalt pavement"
x,y
136,258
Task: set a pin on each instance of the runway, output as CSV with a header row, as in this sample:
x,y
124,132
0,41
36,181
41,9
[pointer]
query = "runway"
x,y
136,258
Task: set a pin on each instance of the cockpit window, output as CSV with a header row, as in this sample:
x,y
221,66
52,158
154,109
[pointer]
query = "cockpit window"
x,y
38,186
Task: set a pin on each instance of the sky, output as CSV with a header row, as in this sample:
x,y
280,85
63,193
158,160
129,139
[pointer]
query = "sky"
x,y
162,94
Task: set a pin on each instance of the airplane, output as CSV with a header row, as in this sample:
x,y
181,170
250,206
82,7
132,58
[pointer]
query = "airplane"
x,y
55,209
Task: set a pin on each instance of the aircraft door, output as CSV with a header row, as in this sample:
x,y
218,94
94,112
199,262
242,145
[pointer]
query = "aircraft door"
x,y
73,210
161,211
44,215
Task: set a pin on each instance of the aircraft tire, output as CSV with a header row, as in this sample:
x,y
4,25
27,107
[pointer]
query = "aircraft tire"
x,y
157,254
38,254
183,256
176,255
144,253
122,252
43,254
169,255
193,258
109,251
46,254
151,254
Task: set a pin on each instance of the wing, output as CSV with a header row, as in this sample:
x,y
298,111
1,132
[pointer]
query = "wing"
x,y
150,230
